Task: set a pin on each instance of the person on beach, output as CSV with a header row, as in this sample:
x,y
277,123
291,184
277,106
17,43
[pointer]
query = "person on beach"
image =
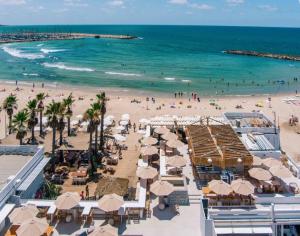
x,y
87,191
175,94
134,127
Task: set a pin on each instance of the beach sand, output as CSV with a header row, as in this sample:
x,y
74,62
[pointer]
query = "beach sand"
x,y
120,103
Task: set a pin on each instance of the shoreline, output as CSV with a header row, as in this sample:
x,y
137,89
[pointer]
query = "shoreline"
x,y
131,91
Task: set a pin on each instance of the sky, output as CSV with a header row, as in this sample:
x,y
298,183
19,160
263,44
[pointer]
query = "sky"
x,y
275,13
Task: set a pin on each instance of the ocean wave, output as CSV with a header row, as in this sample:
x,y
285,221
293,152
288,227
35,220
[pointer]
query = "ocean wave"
x,y
170,79
40,45
186,81
30,74
21,54
62,66
122,74
47,51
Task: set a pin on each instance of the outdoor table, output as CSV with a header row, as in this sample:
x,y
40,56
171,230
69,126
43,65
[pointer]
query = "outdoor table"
x,y
81,172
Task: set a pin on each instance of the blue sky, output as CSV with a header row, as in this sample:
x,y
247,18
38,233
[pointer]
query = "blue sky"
x,y
191,12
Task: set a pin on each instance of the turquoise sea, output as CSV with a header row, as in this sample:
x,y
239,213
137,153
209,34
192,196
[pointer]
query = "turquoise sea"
x,y
162,59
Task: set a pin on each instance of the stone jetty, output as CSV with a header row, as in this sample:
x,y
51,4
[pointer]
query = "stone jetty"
x,y
259,54
34,37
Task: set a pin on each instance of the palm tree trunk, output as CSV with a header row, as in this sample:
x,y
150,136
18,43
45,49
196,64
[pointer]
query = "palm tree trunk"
x,y
69,126
32,135
101,131
10,124
96,140
21,142
53,146
91,140
60,137
41,123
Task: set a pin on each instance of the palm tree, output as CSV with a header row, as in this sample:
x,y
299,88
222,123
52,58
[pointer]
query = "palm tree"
x,y
52,112
32,121
18,123
102,100
68,102
97,108
91,116
40,98
9,104
61,122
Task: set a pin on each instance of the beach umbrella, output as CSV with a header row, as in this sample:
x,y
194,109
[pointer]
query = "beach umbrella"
x,y
280,171
32,227
161,188
125,117
20,214
175,144
110,202
80,117
149,141
67,201
106,230
270,162
220,187
176,161
124,122
149,150
111,117
260,174
161,130
120,128
146,172
144,121
169,136
242,187
257,161
74,122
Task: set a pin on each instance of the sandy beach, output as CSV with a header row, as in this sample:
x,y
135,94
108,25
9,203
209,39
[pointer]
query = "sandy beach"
x,y
165,104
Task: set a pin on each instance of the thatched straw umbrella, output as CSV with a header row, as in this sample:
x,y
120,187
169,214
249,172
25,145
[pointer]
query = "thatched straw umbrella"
x,y
32,227
21,214
220,187
149,141
67,201
146,172
169,136
280,171
260,174
242,187
106,230
110,202
176,161
161,188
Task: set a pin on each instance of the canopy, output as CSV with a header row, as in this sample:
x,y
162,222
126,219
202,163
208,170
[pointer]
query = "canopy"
x,y
260,174
280,171
110,202
106,230
270,162
220,187
149,150
176,161
161,188
32,227
175,143
161,130
20,214
169,136
242,187
149,141
67,201
146,172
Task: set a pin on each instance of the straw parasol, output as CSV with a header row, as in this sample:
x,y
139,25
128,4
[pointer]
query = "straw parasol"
x,y
146,172
67,201
242,187
220,187
106,230
19,215
149,141
169,136
175,143
176,161
32,227
260,174
257,161
280,171
161,130
110,202
161,188
149,150
270,162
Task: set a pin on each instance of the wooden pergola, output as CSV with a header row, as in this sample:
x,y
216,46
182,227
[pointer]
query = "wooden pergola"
x,y
217,145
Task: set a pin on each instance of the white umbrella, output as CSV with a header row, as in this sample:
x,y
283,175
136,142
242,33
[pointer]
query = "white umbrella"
x,y
161,130
20,214
74,122
173,143
270,162
119,138
32,227
144,121
176,161
169,136
149,150
161,188
260,174
146,172
80,117
242,187
124,122
281,171
111,117
149,141
67,201
110,202
85,123
120,128
220,187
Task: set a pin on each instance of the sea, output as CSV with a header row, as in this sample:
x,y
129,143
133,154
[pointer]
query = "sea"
x,y
163,59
